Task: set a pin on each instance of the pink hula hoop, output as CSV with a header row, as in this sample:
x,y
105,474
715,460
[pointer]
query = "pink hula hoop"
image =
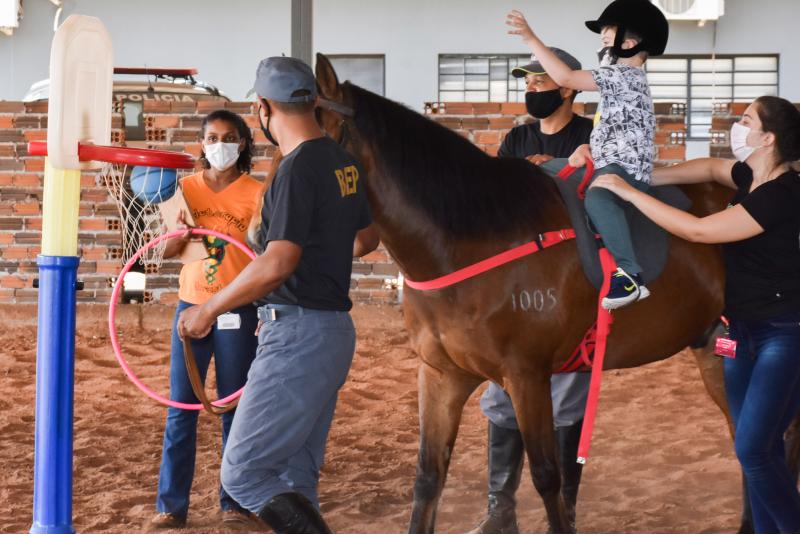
x,y
112,314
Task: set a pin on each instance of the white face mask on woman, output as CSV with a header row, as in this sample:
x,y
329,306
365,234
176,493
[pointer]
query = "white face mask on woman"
x,y
741,150
222,156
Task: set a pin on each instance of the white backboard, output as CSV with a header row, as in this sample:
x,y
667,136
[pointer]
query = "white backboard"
x,y
9,13
81,69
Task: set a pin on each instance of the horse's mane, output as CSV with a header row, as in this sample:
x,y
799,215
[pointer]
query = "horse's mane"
x,y
463,190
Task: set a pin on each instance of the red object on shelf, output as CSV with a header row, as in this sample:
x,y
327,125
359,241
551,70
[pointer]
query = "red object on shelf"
x,y
157,71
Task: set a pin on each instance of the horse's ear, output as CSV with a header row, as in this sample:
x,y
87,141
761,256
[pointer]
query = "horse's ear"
x,y
327,80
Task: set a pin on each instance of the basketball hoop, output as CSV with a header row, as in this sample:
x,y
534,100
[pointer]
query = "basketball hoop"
x,y
138,210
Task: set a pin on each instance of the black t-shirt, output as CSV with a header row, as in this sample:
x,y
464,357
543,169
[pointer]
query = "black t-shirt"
x,y
317,200
528,139
763,272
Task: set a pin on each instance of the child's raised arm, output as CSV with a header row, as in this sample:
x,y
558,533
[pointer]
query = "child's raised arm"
x,y
559,72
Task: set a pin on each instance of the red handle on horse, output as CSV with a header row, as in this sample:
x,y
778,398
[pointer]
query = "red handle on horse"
x,y
567,171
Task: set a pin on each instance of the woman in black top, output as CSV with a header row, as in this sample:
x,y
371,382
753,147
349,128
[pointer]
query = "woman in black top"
x,y
760,231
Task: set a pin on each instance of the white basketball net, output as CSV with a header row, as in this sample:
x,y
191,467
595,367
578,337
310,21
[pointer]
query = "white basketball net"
x,y
141,220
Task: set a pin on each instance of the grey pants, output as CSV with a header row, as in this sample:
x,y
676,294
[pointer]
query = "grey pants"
x,y
568,390
607,212
277,440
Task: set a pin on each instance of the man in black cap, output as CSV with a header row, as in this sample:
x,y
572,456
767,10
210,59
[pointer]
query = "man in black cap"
x,y
622,142
314,220
557,133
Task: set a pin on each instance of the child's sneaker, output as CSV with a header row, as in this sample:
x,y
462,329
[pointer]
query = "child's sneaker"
x,y
625,288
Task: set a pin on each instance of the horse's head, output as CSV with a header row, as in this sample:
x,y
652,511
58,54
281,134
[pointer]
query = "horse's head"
x,y
337,112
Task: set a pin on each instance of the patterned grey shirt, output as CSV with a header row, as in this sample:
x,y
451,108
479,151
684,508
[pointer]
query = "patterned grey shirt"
x,y
626,132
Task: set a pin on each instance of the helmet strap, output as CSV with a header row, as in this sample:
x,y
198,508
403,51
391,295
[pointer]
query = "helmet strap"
x,y
619,39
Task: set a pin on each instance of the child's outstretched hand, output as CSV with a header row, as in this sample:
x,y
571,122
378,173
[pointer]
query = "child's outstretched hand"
x,y
519,26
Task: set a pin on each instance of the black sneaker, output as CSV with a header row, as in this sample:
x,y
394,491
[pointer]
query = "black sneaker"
x,y
625,288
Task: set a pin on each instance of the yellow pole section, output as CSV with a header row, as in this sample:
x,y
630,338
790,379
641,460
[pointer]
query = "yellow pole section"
x,y
62,195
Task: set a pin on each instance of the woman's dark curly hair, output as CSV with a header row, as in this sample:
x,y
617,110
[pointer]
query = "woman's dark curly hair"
x,y
245,161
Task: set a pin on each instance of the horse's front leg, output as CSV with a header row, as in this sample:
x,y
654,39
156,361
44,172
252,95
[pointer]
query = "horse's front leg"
x,y
530,394
442,395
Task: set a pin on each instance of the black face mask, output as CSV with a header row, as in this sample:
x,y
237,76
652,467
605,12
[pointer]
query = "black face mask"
x,y
542,104
265,129
606,56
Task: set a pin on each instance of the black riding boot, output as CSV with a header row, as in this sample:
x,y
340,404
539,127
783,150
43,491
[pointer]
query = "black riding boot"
x,y
506,453
292,513
568,438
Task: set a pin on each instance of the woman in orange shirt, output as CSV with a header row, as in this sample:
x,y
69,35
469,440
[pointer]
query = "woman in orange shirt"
x,y
222,197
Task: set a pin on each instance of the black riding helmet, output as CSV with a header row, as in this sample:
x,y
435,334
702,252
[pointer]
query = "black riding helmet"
x,y
639,17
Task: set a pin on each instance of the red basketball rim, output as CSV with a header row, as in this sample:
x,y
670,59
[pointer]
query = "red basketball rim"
x,y
123,155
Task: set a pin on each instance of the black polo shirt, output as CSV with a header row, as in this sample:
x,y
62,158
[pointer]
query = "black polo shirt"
x,y
318,201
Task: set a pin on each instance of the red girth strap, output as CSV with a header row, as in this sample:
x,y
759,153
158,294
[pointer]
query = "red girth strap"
x,y
545,240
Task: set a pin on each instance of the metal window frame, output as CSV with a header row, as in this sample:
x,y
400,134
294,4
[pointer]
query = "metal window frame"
x,y
464,57
382,57
733,85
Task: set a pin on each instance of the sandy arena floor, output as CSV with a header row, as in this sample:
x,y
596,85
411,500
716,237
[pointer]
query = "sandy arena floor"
x,y
661,458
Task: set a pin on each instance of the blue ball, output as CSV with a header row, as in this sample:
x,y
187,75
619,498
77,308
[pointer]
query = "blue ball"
x,y
153,184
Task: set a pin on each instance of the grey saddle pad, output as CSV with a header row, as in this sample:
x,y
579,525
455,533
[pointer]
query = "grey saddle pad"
x,y
650,241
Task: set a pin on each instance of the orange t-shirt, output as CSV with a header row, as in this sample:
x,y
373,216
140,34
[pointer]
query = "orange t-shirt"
x,y
229,212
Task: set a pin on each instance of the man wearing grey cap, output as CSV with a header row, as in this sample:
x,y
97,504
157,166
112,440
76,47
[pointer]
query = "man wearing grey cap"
x,y
556,134
315,218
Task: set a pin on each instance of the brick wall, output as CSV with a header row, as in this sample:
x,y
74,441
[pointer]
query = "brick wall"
x,y
487,123
168,126
176,126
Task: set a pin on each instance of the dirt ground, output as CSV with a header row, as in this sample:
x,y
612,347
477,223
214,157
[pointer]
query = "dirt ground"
x,y
661,458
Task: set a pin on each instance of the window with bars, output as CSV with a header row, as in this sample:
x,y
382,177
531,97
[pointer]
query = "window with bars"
x,y
365,70
700,82
481,78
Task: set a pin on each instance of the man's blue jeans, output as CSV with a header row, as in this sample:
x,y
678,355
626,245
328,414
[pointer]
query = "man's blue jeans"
x,y
763,388
234,351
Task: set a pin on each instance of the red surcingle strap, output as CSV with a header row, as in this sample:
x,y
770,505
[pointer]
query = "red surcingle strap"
x,y
545,240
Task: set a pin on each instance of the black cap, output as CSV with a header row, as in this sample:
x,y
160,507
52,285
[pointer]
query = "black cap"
x,y
536,68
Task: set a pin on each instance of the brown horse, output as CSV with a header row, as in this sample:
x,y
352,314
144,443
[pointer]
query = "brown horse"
x,y
470,333
440,204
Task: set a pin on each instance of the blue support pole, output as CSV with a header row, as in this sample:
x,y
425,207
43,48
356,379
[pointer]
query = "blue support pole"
x,y
55,370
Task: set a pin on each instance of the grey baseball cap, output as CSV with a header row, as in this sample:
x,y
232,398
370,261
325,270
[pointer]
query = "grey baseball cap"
x,y
536,68
285,79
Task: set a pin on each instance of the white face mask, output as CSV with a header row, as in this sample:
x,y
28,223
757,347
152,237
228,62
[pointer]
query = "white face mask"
x,y
741,150
222,156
